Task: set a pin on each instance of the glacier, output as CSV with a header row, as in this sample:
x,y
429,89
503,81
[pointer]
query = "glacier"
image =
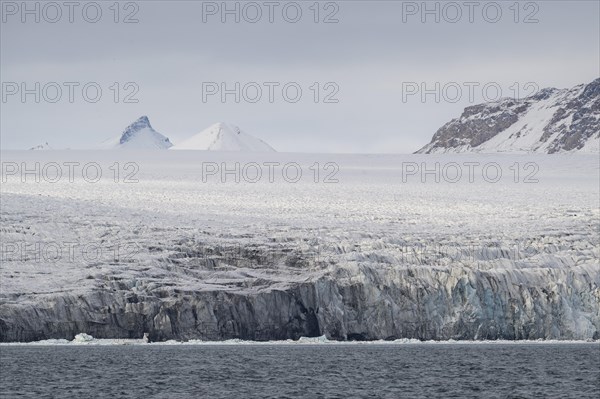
x,y
371,257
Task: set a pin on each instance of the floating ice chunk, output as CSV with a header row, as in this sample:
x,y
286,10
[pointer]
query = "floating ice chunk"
x,y
83,338
313,340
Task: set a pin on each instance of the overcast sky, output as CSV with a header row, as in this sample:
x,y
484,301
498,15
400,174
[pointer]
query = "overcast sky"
x,y
366,61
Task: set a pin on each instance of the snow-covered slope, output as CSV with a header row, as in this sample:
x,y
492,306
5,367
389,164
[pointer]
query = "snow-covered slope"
x,y
139,136
550,121
224,137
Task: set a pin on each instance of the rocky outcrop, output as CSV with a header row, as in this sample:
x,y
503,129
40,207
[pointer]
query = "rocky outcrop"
x,y
549,121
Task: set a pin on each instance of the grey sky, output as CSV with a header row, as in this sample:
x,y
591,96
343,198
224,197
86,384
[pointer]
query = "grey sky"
x,y
369,54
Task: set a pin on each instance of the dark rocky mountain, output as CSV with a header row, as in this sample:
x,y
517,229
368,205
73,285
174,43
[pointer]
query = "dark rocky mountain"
x,y
139,135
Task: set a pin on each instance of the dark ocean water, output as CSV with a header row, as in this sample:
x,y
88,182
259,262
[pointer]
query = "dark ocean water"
x,y
292,371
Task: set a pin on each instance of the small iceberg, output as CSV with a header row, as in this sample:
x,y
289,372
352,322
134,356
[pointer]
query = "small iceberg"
x,y
82,338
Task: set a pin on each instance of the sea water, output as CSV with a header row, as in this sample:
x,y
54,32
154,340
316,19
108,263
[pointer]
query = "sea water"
x,y
301,371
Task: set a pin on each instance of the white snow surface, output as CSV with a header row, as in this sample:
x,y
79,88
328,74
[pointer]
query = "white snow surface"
x,y
224,137
368,212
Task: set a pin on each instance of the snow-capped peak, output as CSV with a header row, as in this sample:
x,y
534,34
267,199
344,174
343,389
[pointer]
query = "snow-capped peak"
x,y
141,123
224,137
139,135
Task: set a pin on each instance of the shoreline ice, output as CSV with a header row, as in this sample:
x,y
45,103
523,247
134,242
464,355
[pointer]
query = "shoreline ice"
x,y
87,340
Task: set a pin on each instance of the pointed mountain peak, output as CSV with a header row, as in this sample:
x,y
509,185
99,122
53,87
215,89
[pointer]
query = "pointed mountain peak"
x,y
143,120
139,135
141,123
223,136
225,127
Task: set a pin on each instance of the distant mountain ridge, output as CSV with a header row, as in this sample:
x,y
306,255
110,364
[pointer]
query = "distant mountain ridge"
x,y
550,121
44,146
218,137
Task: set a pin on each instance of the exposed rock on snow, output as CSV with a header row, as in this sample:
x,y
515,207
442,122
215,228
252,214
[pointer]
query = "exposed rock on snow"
x,y
550,121
44,146
139,136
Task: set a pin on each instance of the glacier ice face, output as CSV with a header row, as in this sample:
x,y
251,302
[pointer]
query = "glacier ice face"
x,y
368,258
356,302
